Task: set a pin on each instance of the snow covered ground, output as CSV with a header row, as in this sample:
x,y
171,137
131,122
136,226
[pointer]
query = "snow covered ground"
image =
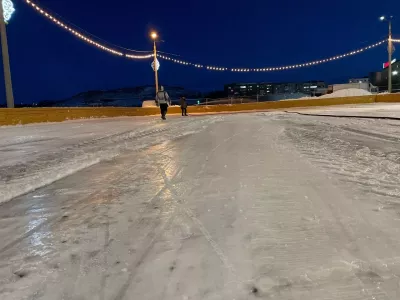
x,y
263,205
378,110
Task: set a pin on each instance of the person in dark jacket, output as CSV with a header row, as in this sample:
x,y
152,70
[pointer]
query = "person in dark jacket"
x,y
183,106
163,101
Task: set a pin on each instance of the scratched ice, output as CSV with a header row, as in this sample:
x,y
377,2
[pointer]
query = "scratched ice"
x,y
262,205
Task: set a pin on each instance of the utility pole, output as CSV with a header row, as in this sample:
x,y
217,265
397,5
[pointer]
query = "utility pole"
x,y
154,37
155,65
390,49
6,59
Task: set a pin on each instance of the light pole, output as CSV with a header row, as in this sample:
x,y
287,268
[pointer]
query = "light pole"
x,y
154,37
390,49
6,10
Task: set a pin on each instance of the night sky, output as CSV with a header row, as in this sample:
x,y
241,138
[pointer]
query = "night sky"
x,y
48,63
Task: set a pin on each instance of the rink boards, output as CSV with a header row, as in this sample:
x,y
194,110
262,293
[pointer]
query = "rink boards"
x,y
39,115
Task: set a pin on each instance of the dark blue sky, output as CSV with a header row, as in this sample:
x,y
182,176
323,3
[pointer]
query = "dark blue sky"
x,y
49,63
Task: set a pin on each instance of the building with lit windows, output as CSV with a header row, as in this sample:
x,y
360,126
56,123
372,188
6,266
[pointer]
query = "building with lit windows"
x,y
275,91
380,79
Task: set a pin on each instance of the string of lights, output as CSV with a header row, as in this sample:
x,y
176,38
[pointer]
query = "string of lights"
x,y
83,36
196,65
180,61
133,56
395,41
271,69
89,34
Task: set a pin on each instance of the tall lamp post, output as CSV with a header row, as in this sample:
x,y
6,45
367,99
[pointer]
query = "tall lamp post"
x,y
154,36
6,11
390,50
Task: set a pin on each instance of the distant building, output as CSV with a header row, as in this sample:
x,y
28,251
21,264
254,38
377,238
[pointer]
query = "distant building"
x,y
272,90
359,80
380,78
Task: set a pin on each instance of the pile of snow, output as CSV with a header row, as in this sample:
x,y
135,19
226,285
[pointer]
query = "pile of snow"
x,y
347,93
152,104
149,103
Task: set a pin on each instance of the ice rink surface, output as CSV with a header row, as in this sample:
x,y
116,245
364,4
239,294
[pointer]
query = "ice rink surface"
x,y
268,205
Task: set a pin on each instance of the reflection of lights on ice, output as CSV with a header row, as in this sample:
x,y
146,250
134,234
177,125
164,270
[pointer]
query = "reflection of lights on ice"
x,y
8,10
157,64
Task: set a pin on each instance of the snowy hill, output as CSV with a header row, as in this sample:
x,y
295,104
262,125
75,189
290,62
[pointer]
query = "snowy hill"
x,y
124,97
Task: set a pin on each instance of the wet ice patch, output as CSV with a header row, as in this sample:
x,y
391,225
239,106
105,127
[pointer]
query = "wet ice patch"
x,y
54,164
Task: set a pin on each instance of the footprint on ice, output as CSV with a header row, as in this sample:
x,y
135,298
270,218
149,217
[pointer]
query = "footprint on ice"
x,y
21,273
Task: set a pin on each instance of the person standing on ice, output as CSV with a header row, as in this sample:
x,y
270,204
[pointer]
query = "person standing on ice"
x,y
183,106
163,101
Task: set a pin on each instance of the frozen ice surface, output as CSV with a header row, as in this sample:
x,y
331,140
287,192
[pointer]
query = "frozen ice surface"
x,y
248,206
36,155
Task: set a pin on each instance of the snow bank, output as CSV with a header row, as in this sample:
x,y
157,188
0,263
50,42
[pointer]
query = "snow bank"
x,y
347,93
149,104
338,94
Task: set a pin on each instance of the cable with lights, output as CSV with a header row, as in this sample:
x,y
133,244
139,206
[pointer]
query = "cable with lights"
x,y
395,41
196,65
271,69
84,37
177,61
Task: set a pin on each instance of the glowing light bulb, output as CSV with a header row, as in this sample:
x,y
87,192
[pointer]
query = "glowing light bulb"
x,y
154,35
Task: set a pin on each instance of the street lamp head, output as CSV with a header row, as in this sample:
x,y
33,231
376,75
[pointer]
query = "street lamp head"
x,y
154,35
383,18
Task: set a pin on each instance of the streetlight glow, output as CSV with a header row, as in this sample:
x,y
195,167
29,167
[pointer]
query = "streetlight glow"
x,y
154,35
395,73
382,18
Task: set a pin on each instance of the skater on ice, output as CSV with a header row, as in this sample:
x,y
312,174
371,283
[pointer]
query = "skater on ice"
x,y
163,101
183,106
